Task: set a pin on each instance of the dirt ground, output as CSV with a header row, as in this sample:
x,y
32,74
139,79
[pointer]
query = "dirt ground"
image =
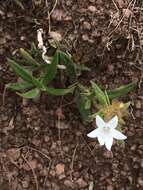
x,y
39,151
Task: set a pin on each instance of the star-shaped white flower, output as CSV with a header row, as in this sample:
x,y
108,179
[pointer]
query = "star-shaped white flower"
x,y
106,132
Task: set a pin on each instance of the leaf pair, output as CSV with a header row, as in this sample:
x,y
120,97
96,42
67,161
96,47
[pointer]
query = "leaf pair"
x,y
104,97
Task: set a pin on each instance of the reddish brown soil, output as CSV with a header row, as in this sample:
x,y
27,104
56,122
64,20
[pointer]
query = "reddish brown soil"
x,y
40,151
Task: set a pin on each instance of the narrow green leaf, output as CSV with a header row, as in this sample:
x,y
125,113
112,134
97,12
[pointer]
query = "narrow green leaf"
x,y
121,91
28,58
33,48
70,65
80,68
100,95
81,105
20,71
23,73
87,103
19,3
126,105
59,92
30,94
51,70
19,85
107,98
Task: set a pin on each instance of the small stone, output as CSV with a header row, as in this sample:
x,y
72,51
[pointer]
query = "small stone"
x,y
86,25
65,148
62,125
58,15
55,186
133,147
2,41
46,138
138,114
142,163
25,184
91,8
138,105
55,35
127,13
62,176
31,165
2,13
52,173
60,169
110,187
121,3
85,37
9,14
92,1
140,181
81,183
44,172
13,153
69,183
68,2
22,38
110,68
108,154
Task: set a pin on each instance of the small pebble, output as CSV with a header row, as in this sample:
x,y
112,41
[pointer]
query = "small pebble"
x,y
92,9
25,184
86,25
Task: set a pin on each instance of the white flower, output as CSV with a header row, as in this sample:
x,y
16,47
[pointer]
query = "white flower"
x,y
106,132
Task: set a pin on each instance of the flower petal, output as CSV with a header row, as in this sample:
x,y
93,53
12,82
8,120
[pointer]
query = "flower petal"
x,y
117,135
101,139
100,122
113,122
108,142
94,133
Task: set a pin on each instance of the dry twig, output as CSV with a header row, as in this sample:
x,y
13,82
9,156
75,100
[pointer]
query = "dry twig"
x,y
121,19
72,162
34,174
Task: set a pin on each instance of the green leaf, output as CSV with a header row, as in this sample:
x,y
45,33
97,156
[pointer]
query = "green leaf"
x,y
19,3
30,94
51,70
87,103
80,68
33,48
28,58
70,65
20,71
100,95
19,85
126,105
107,98
81,105
59,92
24,74
121,91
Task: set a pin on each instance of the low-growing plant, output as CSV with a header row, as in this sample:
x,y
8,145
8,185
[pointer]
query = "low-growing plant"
x,y
36,76
94,101
104,107
37,71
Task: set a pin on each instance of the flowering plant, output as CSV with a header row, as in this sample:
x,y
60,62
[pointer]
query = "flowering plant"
x,y
37,71
94,101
